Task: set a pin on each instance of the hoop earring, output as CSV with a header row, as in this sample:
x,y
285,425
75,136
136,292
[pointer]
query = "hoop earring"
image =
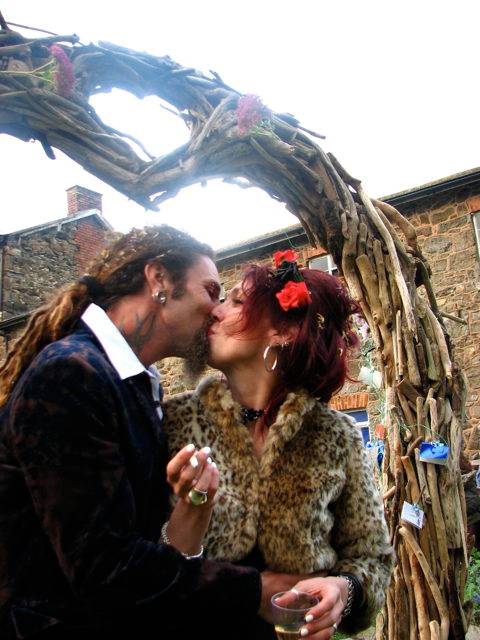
x,y
265,356
159,296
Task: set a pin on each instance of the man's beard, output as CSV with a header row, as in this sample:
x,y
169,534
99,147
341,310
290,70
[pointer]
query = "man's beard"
x,y
195,358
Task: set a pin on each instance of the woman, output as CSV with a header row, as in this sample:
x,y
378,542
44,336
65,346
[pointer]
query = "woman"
x,y
296,490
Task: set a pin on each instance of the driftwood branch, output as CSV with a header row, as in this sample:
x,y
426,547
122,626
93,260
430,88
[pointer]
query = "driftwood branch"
x,y
454,318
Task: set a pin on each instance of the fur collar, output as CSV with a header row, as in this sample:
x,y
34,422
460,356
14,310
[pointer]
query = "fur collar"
x,y
222,409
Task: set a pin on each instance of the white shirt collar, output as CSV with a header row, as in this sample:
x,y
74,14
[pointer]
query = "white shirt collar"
x,y
118,351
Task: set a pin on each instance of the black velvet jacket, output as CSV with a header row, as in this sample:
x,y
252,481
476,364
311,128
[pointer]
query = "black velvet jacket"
x,y
82,500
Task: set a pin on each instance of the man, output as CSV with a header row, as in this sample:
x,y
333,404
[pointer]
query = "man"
x,y
83,494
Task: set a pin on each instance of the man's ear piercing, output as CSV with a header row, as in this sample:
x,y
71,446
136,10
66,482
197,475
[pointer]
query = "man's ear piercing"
x,y
159,296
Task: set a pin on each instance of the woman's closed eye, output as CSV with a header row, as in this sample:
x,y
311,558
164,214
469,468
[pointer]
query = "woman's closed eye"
x,y
235,297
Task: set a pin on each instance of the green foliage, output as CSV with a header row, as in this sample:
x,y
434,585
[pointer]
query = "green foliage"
x,y
48,74
472,588
263,128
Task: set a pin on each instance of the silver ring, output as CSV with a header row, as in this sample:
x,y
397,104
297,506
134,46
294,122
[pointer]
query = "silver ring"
x,y
335,626
197,497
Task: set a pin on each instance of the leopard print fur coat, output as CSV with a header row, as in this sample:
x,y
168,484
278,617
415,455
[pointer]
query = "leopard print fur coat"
x,y
310,503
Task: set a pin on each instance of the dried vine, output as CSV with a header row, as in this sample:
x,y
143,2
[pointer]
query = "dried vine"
x,y
234,136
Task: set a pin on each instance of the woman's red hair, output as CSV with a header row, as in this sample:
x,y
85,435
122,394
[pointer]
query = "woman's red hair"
x,y
316,359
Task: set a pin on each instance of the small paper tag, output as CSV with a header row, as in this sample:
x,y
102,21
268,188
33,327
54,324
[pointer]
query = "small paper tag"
x,y
413,514
434,452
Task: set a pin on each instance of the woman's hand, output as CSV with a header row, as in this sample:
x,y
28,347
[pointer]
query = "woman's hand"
x,y
273,583
189,522
332,593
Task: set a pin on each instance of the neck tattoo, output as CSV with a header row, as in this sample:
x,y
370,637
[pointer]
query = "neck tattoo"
x,y
141,333
250,415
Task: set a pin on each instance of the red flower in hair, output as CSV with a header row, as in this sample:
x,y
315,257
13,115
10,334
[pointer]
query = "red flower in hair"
x,y
284,256
293,295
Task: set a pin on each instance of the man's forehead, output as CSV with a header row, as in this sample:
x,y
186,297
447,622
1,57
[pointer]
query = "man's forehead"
x,y
204,269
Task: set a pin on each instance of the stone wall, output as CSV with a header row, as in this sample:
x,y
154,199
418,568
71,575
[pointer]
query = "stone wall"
x,y
447,237
172,376
34,267
38,264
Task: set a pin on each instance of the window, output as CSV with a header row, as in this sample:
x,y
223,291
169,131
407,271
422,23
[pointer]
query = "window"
x,y
476,226
324,263
361,422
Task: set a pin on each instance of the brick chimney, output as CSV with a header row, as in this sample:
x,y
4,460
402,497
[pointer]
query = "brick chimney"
x,y
81,199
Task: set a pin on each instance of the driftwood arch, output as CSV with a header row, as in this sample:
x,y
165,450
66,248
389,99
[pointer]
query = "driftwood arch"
x,y
44,95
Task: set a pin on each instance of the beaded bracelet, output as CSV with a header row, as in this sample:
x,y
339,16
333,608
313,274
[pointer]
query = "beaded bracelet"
x,y
166,540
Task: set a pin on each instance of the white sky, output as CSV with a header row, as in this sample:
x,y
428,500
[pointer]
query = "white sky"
x,y
393,85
